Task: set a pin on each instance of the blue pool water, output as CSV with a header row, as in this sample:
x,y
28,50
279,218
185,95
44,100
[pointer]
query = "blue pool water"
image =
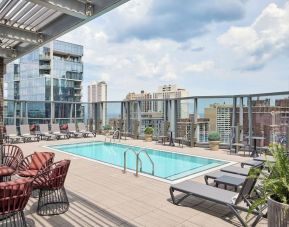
x,y
168,165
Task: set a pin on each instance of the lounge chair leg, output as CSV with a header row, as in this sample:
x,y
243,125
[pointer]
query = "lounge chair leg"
x,y
238,216
173,197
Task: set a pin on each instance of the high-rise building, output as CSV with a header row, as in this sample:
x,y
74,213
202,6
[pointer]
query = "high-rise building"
x,y
268,120
220,120
53,72
171,92
146,104
97,92
152,112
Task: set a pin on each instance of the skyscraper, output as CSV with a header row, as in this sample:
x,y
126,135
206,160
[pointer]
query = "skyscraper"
x,y
97,92
170,92
152,113
220,120
53,72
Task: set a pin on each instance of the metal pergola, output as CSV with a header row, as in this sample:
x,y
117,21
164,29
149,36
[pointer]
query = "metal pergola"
x,y
26,25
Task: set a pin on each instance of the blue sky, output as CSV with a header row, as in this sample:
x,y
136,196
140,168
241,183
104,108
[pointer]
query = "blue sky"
x,y
209,47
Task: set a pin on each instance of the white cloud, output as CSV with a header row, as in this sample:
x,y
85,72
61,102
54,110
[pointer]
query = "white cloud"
x,y
135,63
266,38
200,67
197,64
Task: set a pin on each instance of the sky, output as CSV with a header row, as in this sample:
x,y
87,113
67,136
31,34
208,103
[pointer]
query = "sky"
x,y
209,47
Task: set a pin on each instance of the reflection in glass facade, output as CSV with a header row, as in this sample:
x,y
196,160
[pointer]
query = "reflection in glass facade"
x,y
53,72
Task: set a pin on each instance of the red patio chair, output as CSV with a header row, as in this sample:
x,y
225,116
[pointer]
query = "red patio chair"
x,y
14,196
32,164
12,155
52,195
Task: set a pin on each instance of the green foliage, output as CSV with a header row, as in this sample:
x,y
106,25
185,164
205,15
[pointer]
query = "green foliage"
x,y
149,131
214,136
275,182
107,127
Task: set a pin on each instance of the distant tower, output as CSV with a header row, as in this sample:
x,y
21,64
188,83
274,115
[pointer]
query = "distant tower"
x,y
97,92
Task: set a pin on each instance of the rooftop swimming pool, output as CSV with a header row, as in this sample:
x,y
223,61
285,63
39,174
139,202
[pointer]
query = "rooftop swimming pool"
x,y
169,166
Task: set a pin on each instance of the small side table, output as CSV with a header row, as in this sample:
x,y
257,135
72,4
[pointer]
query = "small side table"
x,y
163,139
229,181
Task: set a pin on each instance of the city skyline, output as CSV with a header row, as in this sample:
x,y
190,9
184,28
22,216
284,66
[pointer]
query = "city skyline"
x,y
209,50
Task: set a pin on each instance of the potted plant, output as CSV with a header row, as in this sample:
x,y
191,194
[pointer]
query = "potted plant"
x,y
149,131
274,188
214,140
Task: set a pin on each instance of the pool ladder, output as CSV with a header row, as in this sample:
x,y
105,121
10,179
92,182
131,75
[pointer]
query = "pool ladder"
x,y
112,138
138,160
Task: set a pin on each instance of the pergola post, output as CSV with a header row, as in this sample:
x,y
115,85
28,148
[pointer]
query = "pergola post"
x,y
2,66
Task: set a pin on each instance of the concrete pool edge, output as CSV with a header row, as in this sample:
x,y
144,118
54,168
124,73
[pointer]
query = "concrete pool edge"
x,y
228,163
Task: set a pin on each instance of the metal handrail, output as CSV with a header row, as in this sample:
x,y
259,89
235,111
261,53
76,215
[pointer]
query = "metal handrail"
x,y
114,133
106,137
124,158
112,137
138,159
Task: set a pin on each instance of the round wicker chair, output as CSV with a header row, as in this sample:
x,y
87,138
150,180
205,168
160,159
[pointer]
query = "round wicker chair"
x,y
52,195
32,164
14,196
12,155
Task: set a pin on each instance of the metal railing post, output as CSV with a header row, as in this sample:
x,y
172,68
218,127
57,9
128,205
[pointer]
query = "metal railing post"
x,y
250,122
136,165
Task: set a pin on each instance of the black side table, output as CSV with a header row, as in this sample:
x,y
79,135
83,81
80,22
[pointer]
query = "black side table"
x,y
229,181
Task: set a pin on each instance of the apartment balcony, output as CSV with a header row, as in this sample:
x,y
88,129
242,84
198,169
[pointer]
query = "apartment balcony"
x,y
45,67
78,87
16,77
44,57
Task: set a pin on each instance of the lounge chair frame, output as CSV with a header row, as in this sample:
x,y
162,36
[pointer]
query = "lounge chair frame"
x,y
72,130
85,133
243,195
55,130
44,132
12,134
25,133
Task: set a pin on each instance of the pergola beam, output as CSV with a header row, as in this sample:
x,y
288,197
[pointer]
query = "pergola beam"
x,y
21,35
70,7
7,53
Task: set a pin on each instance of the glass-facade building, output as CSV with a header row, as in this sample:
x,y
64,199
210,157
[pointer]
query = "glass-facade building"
x,y
53,72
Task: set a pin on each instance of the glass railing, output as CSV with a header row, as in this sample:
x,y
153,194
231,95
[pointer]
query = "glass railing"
x,y
237,118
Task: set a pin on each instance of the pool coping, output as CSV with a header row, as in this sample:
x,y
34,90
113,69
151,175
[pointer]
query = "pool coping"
x,y
229,163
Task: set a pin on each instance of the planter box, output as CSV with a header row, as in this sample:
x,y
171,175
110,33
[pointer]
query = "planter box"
x,y
148,138
278,214
214,145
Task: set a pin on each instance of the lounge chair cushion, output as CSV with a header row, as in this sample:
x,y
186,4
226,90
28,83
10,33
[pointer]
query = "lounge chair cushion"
x,y
38,160
206,192
6,171
28,173
14,182
236,170
217,174
9,190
